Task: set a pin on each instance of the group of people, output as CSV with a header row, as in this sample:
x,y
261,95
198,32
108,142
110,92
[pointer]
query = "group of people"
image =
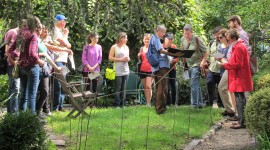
x,y
32,48
230,74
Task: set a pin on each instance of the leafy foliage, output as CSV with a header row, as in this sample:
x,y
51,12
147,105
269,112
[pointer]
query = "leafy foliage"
x,y
22,131
263,82
257,112
3,87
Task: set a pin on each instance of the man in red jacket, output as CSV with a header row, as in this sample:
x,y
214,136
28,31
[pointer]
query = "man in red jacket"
x,y
239,76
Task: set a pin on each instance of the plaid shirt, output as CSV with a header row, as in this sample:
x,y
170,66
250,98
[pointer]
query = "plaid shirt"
x,y
29,48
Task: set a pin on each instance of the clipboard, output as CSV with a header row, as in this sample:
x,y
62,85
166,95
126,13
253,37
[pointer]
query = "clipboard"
x,y
187,53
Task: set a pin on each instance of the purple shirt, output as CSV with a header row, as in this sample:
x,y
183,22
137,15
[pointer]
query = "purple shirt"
x,y
245,38
29,51
10,38
94,56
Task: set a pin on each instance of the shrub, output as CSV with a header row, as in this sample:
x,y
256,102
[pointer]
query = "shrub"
x,y
257,112
263,82
22,131
3,87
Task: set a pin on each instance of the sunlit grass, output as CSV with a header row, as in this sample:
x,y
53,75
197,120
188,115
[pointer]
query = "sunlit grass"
x,y
167,131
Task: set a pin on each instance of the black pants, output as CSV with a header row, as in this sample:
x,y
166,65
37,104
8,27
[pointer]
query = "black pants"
x,y
240,106
42,101
212,82
171,88
88,83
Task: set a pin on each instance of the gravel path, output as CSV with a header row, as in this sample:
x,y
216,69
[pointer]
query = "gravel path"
x,y
228,139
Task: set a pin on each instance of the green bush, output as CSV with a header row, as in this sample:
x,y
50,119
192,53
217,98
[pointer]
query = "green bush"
x,y
3,87
263,82
257,112
22,131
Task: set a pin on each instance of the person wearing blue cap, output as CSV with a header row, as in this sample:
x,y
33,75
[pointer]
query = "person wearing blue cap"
x,y
60,38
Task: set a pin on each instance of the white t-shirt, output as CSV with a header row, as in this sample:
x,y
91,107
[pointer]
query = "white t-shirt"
x,y
122,68
60,56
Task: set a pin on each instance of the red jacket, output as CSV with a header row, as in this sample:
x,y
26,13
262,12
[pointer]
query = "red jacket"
x,y
239,75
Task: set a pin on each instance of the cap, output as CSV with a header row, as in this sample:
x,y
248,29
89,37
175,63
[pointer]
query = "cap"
x,y
169,35
60,17
235,17
187,27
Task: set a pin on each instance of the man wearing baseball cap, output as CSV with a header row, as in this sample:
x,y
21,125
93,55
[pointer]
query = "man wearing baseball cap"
x,y
60,38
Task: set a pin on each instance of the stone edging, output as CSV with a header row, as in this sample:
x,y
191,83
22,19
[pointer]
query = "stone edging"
x,y
205,137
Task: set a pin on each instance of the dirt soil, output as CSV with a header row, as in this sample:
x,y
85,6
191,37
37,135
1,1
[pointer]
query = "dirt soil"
x,y
229,139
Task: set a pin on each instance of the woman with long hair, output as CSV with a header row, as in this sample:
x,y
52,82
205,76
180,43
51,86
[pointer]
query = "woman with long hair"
x,y
145,71
91,59
119,54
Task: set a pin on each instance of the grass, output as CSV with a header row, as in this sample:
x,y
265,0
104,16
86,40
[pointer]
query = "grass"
x,y
167,131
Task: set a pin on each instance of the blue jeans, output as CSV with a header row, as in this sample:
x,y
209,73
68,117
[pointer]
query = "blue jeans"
x,y
14,87
195,92
120,94
29,85
58,96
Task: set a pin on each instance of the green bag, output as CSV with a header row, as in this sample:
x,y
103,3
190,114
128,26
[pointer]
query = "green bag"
x,y
110,74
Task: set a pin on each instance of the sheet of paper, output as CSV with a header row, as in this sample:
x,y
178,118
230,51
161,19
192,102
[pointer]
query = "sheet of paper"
x,y
94,75
218,55
71,59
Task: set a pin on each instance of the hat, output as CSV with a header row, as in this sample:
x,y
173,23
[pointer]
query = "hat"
x,y
235,17
169,35
188,27
60,17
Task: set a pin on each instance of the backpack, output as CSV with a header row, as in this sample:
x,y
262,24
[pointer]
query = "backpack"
x,y
152,56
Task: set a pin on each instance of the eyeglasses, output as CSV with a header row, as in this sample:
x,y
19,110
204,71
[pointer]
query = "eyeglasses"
x,y
220,37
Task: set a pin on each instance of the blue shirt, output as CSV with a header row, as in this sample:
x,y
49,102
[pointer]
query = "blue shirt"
x,y
163,58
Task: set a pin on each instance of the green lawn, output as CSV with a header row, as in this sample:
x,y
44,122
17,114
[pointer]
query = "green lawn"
x,y
166,131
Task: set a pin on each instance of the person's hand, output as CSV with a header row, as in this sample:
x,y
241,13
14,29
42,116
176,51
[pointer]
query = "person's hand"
x,y
58,68
65,31
70,52
125,59
179,54
41,62
218,59
203,63
91,69
139,54
221,64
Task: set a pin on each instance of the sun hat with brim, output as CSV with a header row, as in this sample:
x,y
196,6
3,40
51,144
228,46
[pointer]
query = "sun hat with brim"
x,y
60,17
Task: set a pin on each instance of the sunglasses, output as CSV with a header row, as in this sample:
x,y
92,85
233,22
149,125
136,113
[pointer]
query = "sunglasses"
x,y
220,37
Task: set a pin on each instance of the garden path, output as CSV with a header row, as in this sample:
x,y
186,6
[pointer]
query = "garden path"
x,y
228,139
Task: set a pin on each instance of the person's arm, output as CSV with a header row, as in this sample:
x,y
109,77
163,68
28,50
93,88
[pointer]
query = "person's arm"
x,y
50,61
236,61
58,49
64,43
203,48
99,58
